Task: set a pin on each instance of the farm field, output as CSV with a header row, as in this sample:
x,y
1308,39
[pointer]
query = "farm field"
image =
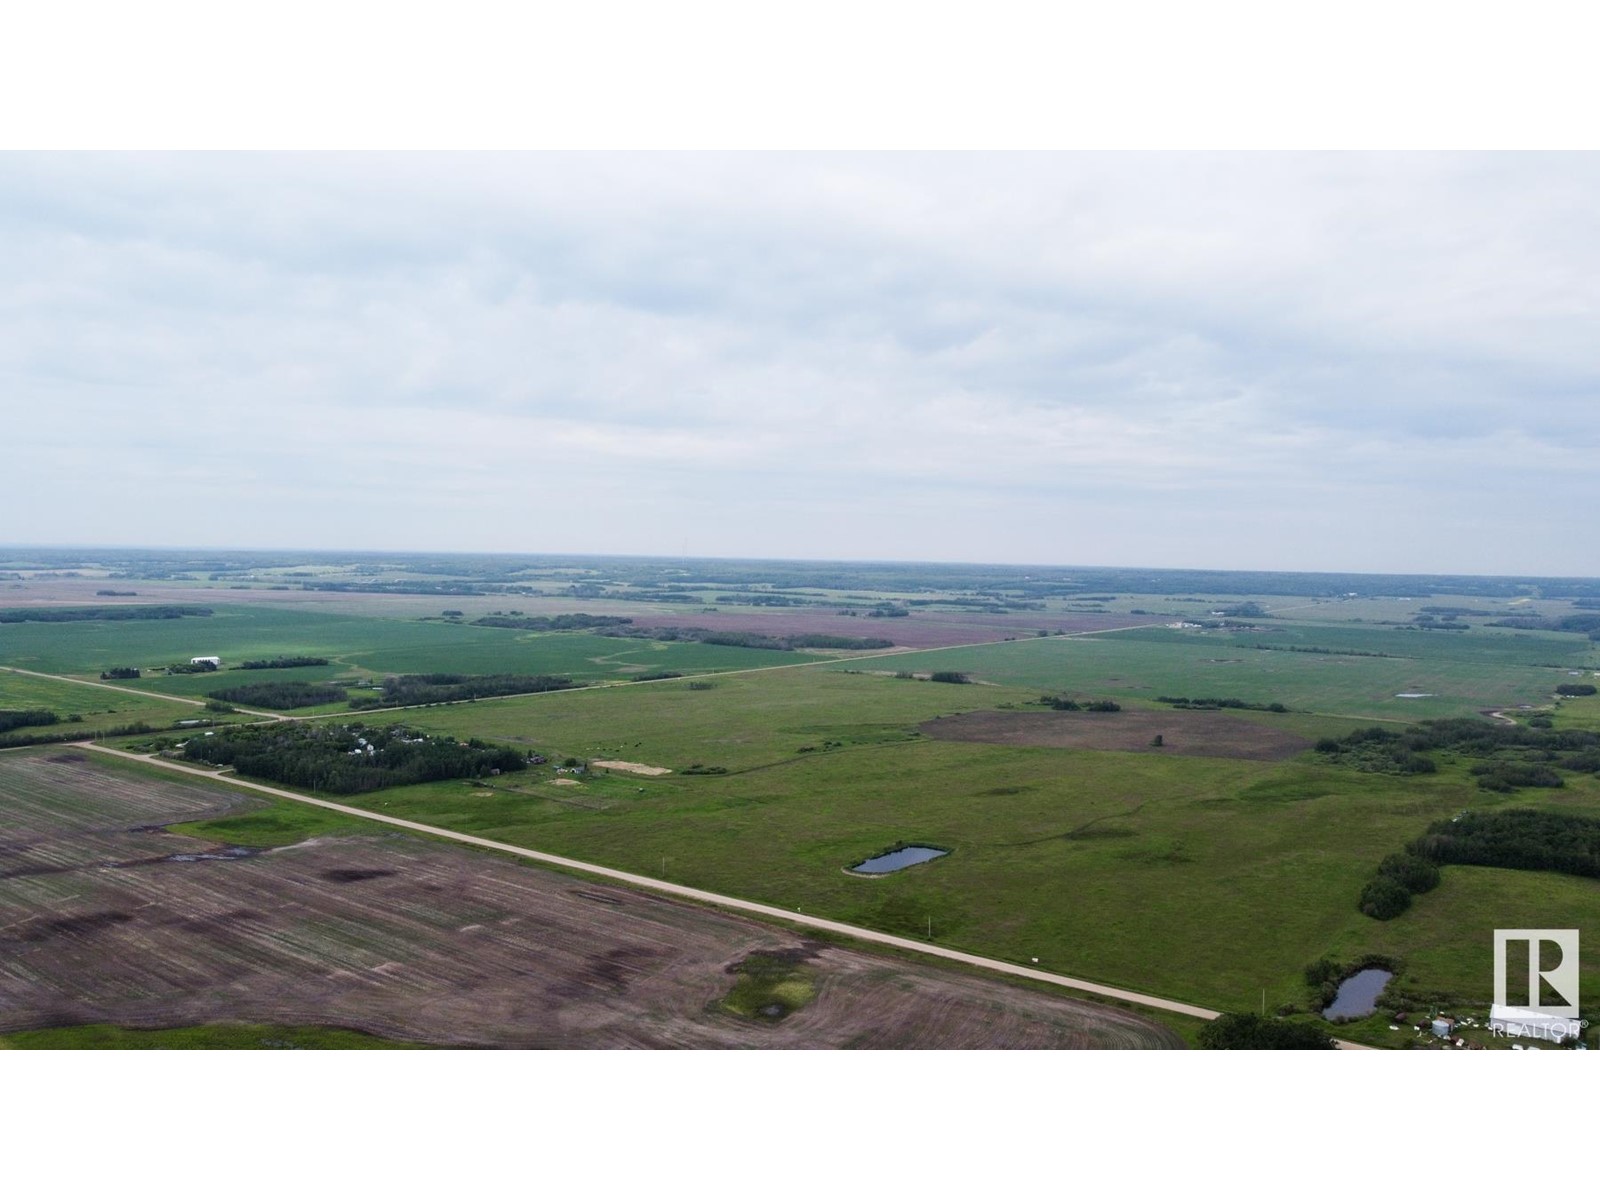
x,y
1204,856
1202,877
354,645
1462,673
99,707
107,919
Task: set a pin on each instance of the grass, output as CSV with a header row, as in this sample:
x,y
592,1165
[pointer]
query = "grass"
x,y
277,823
1200,879
96,705
1463,671
741,722
352,644
201,1037
769,987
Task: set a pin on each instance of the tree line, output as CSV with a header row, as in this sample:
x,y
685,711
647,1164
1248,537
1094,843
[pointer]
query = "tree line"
x,y
1516,755
103,612
288,693
1211,702
557,623
442,688
1067,704
751,641
12,718
349,759
1519,839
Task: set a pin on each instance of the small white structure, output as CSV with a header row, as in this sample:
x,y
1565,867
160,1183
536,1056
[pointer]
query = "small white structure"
x,y
1507,1021
205,658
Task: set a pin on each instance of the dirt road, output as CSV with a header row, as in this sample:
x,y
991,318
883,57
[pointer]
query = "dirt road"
x,y
645,883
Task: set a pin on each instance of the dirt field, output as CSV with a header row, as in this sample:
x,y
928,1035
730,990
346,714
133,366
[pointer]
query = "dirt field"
x,y
1207,734
633,768
105,917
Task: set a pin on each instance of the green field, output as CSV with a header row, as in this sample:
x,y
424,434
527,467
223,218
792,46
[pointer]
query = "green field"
x,y
1465,672
1213,880
1204,879
354,645
99,707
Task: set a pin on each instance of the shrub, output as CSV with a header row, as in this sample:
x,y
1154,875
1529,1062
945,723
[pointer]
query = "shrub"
x,y
1385,898
1412,872
1247,1031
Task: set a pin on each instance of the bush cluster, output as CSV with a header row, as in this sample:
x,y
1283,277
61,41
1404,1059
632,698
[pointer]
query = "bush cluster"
x,y
1247,1031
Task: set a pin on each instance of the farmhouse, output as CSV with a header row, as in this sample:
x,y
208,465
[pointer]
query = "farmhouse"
x,y
205,658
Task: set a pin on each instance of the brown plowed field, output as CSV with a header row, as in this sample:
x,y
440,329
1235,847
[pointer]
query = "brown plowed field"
x,y
409,939
1183,731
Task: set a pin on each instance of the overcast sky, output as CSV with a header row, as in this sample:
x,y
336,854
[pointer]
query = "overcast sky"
x,y
1274,361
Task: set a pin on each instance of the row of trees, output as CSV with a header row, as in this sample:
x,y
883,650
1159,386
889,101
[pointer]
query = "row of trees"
x,y
1517,755
752,641
12,718
1212,702
103,612
288,693
1247,1031
1520,839
554,624
442,688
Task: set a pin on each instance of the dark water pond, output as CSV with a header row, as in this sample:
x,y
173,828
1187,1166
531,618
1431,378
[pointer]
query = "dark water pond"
x,y
1358,995
897,860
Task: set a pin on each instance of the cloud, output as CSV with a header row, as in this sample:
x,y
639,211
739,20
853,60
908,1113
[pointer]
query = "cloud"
x,y
1207,360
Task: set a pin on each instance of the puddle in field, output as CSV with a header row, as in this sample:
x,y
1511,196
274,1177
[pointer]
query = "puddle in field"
x,y
897,860
226,854
1358,995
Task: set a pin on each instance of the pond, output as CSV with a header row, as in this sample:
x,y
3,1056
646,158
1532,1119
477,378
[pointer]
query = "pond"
x,y
1358,995
898,860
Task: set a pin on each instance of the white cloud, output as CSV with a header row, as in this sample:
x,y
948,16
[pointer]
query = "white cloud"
x,y
1188,359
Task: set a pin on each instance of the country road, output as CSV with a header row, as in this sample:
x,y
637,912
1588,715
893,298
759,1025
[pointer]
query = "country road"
x,y
645,883
148,695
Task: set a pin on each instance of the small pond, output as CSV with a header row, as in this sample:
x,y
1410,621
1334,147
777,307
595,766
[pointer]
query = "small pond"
x,y
1358,995
898,860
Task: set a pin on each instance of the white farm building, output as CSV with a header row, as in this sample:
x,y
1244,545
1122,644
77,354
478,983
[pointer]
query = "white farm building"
x,y
1531,1023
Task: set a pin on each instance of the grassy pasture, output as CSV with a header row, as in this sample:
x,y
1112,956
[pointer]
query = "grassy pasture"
x,y
98,706
1205,879
1464,671
739,722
